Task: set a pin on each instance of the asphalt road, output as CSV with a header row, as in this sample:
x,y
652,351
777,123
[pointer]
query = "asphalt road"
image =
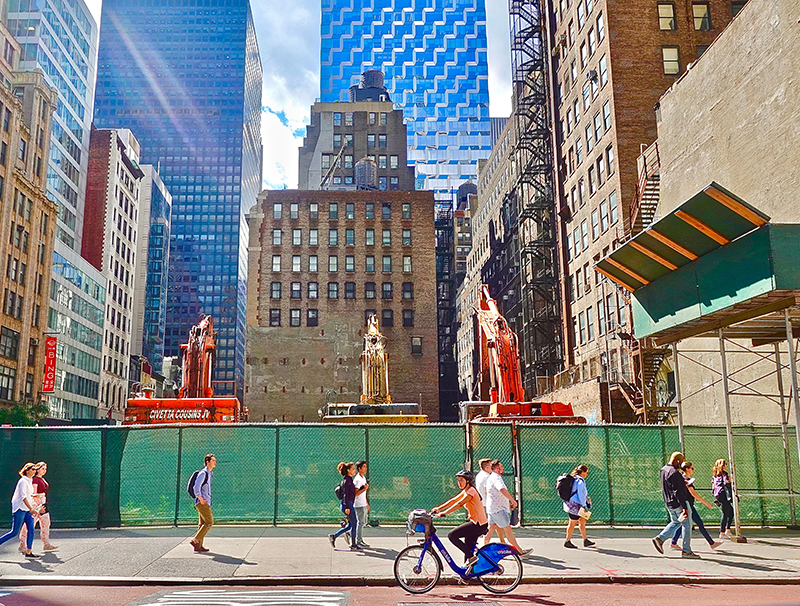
x,y
546,595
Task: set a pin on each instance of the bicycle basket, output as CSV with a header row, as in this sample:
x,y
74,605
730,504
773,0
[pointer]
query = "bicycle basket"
x,y
419,520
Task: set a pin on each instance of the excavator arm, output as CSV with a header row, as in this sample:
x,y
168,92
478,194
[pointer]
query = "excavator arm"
x,y
198,361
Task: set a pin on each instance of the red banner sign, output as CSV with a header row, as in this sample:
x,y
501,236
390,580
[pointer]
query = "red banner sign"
x,y
50,364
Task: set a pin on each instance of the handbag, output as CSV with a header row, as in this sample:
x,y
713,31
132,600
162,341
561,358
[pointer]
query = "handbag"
x,y
514,516
584,513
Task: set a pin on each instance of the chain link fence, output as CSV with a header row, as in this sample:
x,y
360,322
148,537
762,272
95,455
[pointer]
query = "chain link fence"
x,y
285,473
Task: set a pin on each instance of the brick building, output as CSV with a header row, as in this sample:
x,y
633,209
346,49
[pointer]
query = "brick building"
x,y
611,62
27,227
320,263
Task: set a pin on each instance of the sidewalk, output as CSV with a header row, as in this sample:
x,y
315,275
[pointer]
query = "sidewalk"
x,y
302,555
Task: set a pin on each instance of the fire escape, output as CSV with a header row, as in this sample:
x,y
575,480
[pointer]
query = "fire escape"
x,y
533,193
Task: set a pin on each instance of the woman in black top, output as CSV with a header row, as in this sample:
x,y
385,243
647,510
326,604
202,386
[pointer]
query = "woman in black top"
x,y
347,470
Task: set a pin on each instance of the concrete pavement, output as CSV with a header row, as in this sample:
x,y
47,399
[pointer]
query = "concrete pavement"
x,y
303,556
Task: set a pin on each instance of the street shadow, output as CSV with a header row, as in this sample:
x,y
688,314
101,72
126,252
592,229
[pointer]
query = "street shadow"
x,y
536,560
747,556
507,598
381,554
620,554
29,565
223,559
774,544
753,567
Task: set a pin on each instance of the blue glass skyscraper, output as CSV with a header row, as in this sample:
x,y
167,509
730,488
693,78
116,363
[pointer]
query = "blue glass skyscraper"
x,y
185,77
433,54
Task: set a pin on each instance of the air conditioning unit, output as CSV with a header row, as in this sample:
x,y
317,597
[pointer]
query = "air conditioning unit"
x,y
562,39
591,74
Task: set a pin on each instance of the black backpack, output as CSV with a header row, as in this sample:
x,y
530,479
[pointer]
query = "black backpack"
x,y
564,485
192,480
339,490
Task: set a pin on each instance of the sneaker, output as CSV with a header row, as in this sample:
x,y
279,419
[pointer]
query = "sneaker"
x,y
332,539
524,552
674,546
722,535
355,548
50,547
363,545
32,555
588,543
690,554
658,544
715,544
570,545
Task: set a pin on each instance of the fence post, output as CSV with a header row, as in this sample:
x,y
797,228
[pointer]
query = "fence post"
x,y
759,482
608,474
101,495
517,454
468,445
366,445
277,466
178,479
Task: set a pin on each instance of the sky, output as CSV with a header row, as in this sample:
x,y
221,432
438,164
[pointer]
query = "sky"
x,y
288,39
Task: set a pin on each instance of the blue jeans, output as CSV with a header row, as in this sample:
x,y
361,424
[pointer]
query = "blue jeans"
x,y
674,524
699,522
21,516
361,519
352,524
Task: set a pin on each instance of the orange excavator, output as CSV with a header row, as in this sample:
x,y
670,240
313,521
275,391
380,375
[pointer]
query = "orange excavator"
x,y
196,402
502,396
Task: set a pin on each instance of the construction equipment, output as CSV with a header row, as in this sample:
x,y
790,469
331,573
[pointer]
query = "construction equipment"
x,y
196,402
500,379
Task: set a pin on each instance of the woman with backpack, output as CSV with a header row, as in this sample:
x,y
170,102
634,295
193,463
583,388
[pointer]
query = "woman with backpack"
x,y
722,490
688,472
578,502
348,496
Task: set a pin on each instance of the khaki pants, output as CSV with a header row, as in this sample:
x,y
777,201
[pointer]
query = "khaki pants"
x,y
205,524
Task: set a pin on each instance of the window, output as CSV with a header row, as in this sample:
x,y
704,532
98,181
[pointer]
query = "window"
x,y
671,60
601,27
313,237
297,237
408,290
702,16
337,141
350,237
736,6
349,211
406,237
387,318
312,317
348,119
276,262
382,162
595,224
576,237
607,115
326,160
313,264
590,178
370,140
612,206
277,210
387,264
313,211
296,259
294,317
333,290
368,313
333,210
576,110
275,290
601,170
584,234
394,162
369,290
384,118
294,210
9,343
372,117
296,290
274,317
591,38
666,16
408,318
406,264
578,151
589,138
386,211
581,192
381,140
333,264
387,291
369,210
349,263
581,14
349,290
313,290
369,265
584,54
603,216
601,318
337,119
333,237
276,237
590,323
571,33
598,127
386,237
610,159
586,96
416,346
582,327
603,66
701,48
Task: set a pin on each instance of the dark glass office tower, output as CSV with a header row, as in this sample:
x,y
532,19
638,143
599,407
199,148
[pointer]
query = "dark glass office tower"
x,y
185,77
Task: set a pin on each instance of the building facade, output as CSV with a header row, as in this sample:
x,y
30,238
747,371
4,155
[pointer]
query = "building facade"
x,y
610,63
321,263
185,76
152,262
434,57
28,225
109,244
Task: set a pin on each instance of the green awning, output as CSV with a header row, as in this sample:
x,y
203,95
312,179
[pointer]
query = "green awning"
x,y
712,218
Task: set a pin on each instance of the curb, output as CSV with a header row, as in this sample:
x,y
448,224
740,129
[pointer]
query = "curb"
x,y
362,581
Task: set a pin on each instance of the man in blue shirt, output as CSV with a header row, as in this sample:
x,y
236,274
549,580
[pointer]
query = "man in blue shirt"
x,y
202,502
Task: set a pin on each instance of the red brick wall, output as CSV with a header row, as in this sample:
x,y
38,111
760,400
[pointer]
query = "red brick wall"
x,y
96,197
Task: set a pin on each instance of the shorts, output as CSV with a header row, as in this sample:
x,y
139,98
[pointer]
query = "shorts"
x,y
572,516
500,519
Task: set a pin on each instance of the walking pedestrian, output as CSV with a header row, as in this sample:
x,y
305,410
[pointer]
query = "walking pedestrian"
x,y
688,472
676,499
499,504
40,490
465,537
347,470
202,502
482,476
722,490
577,501
23,509
361,503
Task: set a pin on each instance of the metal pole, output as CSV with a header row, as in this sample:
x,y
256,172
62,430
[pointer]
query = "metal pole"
x,y
729,433
793,368
678,403
785,434
178,478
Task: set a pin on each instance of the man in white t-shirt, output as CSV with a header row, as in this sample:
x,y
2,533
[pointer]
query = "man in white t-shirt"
x,y
361,505
482,476
499,504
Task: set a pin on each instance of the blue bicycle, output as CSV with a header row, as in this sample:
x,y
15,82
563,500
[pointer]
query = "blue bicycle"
x,y
418,567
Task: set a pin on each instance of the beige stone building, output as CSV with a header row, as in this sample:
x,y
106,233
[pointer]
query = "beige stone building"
x,y
320,263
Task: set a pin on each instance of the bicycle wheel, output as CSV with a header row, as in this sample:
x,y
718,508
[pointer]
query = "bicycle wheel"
x,y
507,578
413,576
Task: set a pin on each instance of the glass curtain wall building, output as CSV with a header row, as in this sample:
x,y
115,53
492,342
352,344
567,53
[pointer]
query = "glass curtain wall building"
x,y
185,77
433,54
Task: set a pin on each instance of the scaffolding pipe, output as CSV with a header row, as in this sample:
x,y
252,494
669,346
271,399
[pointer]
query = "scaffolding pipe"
x,y
785,434
678,403
793,368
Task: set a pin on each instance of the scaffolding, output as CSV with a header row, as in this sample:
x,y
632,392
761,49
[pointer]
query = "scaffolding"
x,y
533,194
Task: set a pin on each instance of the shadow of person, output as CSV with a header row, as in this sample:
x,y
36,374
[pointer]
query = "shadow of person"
x,y
224,559
544,562
507,598
620,554
383,554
